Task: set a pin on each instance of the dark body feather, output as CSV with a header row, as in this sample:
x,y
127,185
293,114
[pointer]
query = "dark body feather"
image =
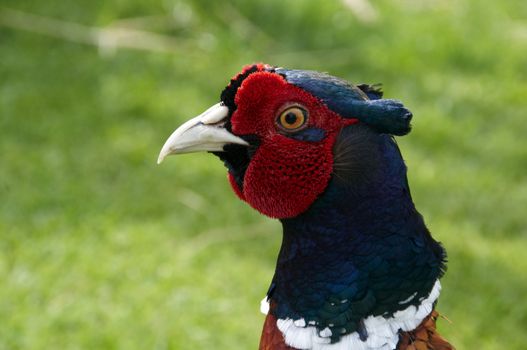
x,y
360,250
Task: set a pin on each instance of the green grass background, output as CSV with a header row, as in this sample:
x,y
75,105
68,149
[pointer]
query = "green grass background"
x,y
102,249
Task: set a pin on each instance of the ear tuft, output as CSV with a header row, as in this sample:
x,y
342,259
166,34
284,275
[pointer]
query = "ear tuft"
x,y
388,117
374,91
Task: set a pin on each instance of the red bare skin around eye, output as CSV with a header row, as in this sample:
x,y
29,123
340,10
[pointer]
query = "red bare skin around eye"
x,y
285,175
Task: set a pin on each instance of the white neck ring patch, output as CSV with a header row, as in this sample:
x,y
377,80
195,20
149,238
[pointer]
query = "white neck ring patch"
x,y
383,333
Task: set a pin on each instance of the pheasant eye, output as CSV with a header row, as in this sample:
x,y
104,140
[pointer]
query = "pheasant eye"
x,y
292,118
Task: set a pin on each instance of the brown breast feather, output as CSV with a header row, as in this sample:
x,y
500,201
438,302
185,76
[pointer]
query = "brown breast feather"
x,y
424,337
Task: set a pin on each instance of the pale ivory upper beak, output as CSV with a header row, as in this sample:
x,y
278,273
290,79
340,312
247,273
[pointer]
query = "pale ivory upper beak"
x,y
206,132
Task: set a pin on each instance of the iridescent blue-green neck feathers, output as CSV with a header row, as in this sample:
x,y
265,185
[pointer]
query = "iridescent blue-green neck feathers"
x,y
362,249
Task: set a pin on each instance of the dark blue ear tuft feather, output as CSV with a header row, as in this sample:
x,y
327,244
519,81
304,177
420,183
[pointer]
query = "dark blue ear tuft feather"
x,y
363,102
385,116
374,91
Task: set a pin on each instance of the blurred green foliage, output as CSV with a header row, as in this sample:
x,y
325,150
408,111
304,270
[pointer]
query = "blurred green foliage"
x,y
102,249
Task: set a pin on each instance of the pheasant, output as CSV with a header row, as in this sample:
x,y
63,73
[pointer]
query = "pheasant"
x,y
358,268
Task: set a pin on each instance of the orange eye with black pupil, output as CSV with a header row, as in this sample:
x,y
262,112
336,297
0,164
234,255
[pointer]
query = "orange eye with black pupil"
x,y
292,118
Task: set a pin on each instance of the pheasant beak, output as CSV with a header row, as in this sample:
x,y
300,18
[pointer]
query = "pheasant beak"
x,y
206,132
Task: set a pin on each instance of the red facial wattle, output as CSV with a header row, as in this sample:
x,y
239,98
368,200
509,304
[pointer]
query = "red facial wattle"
x,y
285,175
